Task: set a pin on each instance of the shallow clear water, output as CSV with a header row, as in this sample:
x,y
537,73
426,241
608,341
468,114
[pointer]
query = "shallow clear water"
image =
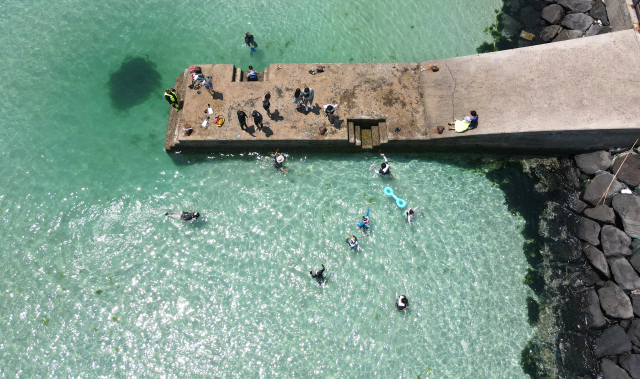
x,y
97,283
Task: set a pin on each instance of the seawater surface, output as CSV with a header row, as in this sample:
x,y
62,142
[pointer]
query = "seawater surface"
x,y
96,282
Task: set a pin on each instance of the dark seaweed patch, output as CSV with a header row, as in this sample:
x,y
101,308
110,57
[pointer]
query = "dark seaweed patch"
x,y
133,83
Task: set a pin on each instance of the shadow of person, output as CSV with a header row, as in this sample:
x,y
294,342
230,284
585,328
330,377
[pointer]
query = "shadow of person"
x,y
267,131
337,123
275,116
181,104
315,110
251,130
217,96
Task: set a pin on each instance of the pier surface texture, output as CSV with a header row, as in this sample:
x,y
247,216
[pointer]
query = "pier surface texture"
x,y
574,95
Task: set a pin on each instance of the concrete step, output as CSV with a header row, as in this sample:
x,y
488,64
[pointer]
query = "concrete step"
x,y
375,135
350,132
367,143
357,136
266,74
238,74
384,134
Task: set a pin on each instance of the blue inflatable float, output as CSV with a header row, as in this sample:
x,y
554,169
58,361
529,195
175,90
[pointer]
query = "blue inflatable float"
x,y
399,202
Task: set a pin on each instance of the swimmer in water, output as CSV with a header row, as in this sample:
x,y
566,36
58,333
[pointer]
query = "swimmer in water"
x,y
410,213
352,241
277,162
187,216
403,303
385,169
365,221
318,275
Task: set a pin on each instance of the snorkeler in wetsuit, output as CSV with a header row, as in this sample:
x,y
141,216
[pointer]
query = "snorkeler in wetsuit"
x,y
248,39
318,275
365,221
410,213
352,241
184,216
402,303
277,162
384,167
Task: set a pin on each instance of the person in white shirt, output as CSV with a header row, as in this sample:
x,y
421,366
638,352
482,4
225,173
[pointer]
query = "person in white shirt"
x,y
329,109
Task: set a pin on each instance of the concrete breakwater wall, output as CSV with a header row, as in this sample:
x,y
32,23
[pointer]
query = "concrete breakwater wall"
x,y
575,95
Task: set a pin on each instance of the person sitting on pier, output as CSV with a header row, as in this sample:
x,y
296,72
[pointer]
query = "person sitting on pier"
x,y
318,275
307,98
352,241
297,98
469,123
329,109
172,97
252,75
184,216
257,119
402,303
277,162
365,221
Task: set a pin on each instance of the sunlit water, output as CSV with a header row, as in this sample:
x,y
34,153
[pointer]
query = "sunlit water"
x,y
96,282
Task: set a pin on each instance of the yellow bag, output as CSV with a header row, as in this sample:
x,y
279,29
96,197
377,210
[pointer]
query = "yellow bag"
x,y
219,121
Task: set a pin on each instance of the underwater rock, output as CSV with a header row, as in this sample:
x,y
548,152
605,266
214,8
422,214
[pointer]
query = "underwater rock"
x,y
628,208
553,14
597,260
591,163
576,205
615,242
585,229
629,174
510,26
612,341
602,213
530,17
595,318
594,190
577,21
624,274
614,301
610,370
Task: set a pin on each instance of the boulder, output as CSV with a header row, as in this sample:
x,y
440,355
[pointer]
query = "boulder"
x,y
573,34
615,242
595,318
634,332
512,5
548,33
614,301
576,205
594,190
624,274
629,174
593,30
599,12
511,26
628,208
576,5
612,341
597,260
635,260
635,300
610,370
585,229
577,21
591,163
631,363
530,17
602,213
552,14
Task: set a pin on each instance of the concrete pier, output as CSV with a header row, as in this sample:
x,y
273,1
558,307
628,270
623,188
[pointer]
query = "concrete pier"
x,y
575,95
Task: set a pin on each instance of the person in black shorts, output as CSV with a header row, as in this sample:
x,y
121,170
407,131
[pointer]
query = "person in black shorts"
x,y
277,162
257,119
318,275
266,103
242,119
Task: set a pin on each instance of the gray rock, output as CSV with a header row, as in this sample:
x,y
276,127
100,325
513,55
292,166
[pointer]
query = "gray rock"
x,y
602,213
610,370
615,242
614,301
624,274
548,33
573,34
628,208
635,260
585,229
576,5
591,163
624,324
634,332
577,205
631,363
597,260
599,12
597,187
612,341
552,13
513,5
563,36
630,171
593,30
595,318
605,30
635,299
511,26
530,17
577,21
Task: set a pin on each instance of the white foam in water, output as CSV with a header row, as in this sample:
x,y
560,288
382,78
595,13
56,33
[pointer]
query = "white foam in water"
x,y
99,283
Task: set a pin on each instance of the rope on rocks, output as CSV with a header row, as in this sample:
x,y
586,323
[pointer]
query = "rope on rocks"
x,y
604,195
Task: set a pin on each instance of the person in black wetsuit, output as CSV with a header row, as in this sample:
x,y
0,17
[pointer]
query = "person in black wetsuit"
x,y
242,119
318,275
187,216
402,303
248,39
257,119
277,162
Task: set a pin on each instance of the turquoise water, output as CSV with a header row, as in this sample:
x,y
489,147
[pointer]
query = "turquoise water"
x,y
97,283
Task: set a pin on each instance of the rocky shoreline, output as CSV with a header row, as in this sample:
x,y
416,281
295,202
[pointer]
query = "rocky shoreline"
x,y
585,261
